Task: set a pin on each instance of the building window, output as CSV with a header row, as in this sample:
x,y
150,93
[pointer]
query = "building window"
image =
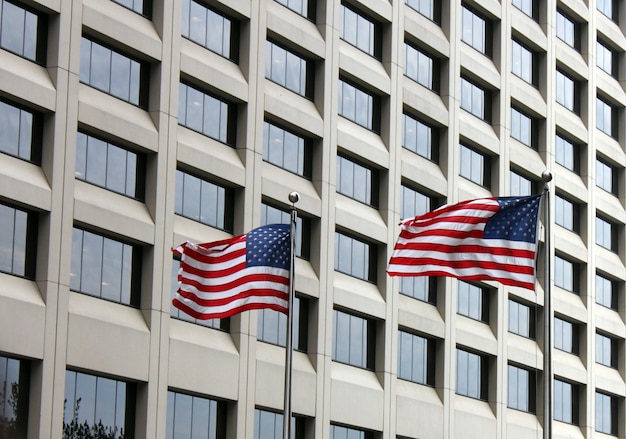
x,y
523,128
416,358
475,100
520,185
471,374
606,350
608,8
606,58
272,325
475,166
204,201
357,181
359,106
23,31
566,92
523,62
565,402
274,215
114,73
210,29
18,241
14,391
565,336
287,150
340,432
191,417
288,69
475,31
430,9
521,319
606,117
526,6
421,67
419,137
98,405
141,7
360,31
606,177
566,274
414,203
110,166
567,213
106,268
306,8
21,132
567,30
606,234
567,153
355,257
521,389
222,324
473,301
606,292
607,416
353,340
269,425
206,114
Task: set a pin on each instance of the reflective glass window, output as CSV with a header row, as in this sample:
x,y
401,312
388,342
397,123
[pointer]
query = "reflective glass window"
x,y
606,292
607,414
416,358
355,257
210,29
421,67
474,30
359,106
14,393
474,166
566,153
194,417
357,181
521,389
565,402
288,69
522,60
142,7
606,234
471,374
18,241
20,132
287,150
353,340
360,31
565,274
419,137
565,336
521,319
473,301
23,31
606,177
474,99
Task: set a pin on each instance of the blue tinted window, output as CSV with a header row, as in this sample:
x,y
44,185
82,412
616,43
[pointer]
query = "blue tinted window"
x,y
206,114
210,29
23,31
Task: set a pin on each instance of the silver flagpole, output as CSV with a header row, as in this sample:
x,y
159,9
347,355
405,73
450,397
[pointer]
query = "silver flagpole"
x,y
546,176
294,197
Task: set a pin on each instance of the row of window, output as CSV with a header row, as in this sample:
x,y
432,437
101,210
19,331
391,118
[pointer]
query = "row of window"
x,y
97,405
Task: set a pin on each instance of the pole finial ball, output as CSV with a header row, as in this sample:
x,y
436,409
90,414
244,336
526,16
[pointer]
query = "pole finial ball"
x,y
294,197
546,176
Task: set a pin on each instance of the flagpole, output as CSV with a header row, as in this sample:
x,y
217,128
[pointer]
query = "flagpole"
x,y
294,197
546,176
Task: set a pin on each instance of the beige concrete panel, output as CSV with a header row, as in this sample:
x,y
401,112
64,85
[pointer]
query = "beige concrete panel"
x,y
356,397
569,243
473,418
306,280
608,320
213,69
478,132
202,360
112,115
521,425
356,294
363,69
357,216
468,190
293,108
571,182
609,148
134,31
95,329
561,430
609,380
610,31
491,8
279,183
609,205
24,182
186,229
475,335
610,88
524,351
568,366
570,123
479,68
427,32
54,5
420,316
577,8
528,30
568,304
528,97
423,172
429,105
210,156
110,211
419,411
270,380
26,81
298,30
608,261
22,317
526,158
571,62
362,142
237,7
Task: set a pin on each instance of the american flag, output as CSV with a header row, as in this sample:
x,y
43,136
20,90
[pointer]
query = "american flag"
x,y
483,239
223,278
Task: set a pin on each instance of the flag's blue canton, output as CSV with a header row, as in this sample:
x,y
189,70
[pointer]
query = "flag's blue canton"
x,y
516,220
269,246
